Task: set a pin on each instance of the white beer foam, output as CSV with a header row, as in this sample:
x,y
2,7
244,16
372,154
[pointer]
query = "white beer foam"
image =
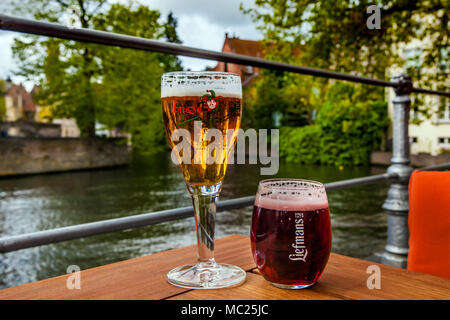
x,y
293,204
291,195
195,84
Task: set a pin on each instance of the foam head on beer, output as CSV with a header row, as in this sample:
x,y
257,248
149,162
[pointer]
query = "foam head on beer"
x,y
291,196
189,84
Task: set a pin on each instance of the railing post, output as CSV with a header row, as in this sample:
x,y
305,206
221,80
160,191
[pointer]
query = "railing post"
x,y
396,204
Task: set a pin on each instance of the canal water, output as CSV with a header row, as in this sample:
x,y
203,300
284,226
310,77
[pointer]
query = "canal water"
x,y
41,202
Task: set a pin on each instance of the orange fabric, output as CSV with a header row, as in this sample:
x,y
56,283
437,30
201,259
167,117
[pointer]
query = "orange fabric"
x,y
429,223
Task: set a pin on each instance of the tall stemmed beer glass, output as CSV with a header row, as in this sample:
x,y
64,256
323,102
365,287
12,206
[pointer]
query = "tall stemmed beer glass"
x,y
202,113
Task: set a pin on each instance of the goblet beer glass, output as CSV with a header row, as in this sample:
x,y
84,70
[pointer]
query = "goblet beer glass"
x,y
291,232
202,115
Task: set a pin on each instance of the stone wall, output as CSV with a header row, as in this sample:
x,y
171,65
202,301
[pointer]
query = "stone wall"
x,y
30,129
417,160
39,155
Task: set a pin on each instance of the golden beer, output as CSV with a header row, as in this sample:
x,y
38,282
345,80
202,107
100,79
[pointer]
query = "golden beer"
x,y
212,112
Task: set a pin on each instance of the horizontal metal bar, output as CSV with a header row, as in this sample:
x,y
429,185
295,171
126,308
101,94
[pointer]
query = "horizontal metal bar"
x,y
18,242
125,41
438,167
428,91
359,181
12,243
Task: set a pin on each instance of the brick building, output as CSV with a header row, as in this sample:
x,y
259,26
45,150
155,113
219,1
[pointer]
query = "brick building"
x,y
19,103
245,47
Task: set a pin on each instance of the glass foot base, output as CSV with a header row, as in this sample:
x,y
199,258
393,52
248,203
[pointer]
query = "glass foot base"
x,y
292,286
200,276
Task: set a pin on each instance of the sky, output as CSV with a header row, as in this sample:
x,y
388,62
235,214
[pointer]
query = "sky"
x,y
201,24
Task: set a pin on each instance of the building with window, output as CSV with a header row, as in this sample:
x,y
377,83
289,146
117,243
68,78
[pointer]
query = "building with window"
x,y
24,118
429,132
18,103
245,47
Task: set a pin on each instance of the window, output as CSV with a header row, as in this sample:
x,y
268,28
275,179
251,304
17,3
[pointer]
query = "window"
x,y
414,114
444,63
276,118
314,115
414,139
444,143
412,58
443,112
249,69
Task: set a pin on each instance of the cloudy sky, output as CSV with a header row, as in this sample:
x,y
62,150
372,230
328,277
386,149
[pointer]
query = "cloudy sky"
x,y
201,24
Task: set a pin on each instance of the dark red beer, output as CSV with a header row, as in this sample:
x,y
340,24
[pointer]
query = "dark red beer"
x,y
291,236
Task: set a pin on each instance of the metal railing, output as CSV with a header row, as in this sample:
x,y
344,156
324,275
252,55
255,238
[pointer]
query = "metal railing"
x,y
396,204
23,241
125,41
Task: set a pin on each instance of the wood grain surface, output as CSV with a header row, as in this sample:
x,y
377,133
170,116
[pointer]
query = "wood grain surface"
x,y
145,278
138,278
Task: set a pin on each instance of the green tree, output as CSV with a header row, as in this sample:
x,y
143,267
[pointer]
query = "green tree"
x,y
67,71
293,98
345,133
350,128
303,97
263,100
130,88
335,36
92,83
301,144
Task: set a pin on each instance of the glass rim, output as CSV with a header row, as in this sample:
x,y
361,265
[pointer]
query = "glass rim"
x,y
201,72
311,183
197,83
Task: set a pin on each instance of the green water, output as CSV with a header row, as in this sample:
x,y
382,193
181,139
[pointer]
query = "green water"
x,y
41,202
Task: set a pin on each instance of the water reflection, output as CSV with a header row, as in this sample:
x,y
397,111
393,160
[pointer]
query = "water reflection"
x,y
41,202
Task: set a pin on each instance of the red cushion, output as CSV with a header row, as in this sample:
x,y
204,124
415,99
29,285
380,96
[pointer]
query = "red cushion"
x,y
429,223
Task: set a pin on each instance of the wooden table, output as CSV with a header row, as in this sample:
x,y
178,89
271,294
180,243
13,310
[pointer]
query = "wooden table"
x,y
145,278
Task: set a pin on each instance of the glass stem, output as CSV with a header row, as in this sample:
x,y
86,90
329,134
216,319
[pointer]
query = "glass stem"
x,y
204,199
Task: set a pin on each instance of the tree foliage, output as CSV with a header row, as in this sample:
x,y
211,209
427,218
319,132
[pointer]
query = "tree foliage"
x,y
334,34
120,88
351,128
130,92
293,97
301,144
263,100
345,133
